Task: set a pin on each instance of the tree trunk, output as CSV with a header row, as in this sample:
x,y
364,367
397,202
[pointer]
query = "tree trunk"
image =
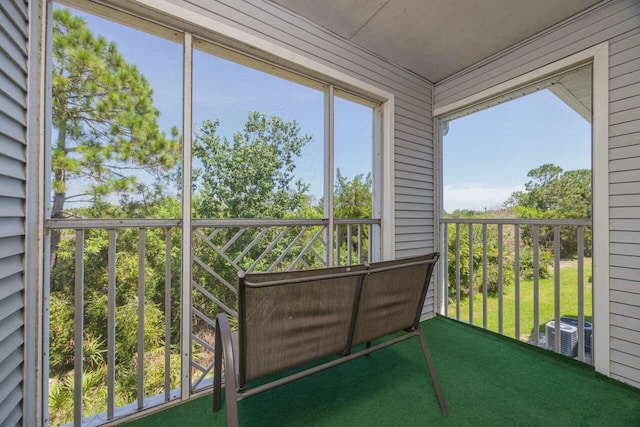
x,y
58,205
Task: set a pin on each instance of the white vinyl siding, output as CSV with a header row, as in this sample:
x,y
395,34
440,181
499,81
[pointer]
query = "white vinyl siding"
x,y
618,23
13,91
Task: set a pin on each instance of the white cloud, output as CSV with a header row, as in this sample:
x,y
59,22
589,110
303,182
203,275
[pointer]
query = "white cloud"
x,y
476,197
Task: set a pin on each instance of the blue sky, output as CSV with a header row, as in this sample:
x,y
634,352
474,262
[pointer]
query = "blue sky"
x,y
228,91
486,156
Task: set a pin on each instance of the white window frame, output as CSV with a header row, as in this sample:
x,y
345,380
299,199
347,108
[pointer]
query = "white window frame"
x,y
599,56
382,149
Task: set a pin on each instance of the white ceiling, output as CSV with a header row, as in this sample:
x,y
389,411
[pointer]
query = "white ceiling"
x,y
436,38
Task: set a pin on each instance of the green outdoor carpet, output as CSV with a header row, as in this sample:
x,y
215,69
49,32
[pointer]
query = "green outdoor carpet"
x,y
488,380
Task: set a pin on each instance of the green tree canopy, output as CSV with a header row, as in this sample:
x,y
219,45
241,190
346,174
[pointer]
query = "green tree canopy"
x,y
250,176
103,113
352,199
554,193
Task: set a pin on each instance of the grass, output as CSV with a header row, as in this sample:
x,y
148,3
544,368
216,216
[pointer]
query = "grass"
x,y
568,303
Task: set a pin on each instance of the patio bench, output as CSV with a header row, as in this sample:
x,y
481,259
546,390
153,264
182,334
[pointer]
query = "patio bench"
x,y
287,319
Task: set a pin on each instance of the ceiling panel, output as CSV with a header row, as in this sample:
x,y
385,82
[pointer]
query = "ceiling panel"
x,y
436,38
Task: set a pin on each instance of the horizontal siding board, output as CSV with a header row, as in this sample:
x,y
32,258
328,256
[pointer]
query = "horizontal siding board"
x,y
625,358
11,187
626,200
12,306
624,188
627,286
10,49
624,236
12,128
412,176
14,31
625,322
624,56
625,374
11,322
624,213
624,224
412,206
625,346
625,298
626,334
625,80
632,176
623,104
9,246
11,89
413,237
411,190
631,249
10,363
10,285
10,266
624,92
414,154
624,116
619,153
624,309
12,149
625,128
624,68
624,273
417,163
13,107
10,406
10,227
405,198
12,168
10,207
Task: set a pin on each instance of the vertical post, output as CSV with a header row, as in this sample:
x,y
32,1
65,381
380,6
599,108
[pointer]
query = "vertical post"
x,y
536,285
500,282
517,279
168,276
79,329
581,335
349,231
185,297
141,297
457,271
556,287
111,326
328,170
360,242
337,242
485,283
471,274
444,265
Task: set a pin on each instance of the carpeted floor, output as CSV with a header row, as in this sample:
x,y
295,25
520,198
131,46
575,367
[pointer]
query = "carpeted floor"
x,y
487,380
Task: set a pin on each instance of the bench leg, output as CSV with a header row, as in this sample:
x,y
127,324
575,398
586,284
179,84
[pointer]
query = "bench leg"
x,y
224,349
217,371
432,372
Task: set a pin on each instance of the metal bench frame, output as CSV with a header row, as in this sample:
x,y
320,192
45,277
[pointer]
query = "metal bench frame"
x,y
408,281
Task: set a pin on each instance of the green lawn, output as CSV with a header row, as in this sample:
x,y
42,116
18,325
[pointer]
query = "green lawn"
x,y
568,303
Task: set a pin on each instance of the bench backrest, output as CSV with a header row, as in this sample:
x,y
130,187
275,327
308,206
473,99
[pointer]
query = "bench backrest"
x,y
289,318
393,294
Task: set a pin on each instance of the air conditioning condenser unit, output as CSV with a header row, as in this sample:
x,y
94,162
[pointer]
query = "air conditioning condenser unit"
x,y
568,338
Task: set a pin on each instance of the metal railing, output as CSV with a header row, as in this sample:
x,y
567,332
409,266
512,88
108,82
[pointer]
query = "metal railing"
x,y
150,264
490,264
